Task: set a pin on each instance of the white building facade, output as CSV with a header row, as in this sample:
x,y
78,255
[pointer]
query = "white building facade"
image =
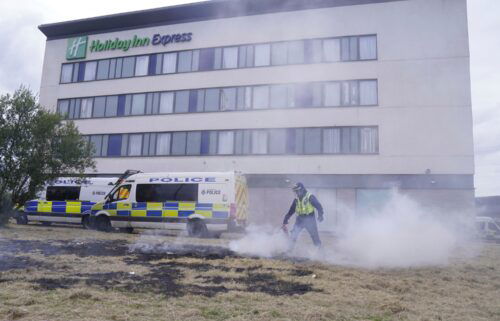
x,y
350,97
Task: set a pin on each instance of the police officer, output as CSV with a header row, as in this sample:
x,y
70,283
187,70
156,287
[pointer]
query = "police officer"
x,y
304,205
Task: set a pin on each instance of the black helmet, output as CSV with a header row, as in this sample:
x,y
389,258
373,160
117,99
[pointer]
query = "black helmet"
x,y
298,187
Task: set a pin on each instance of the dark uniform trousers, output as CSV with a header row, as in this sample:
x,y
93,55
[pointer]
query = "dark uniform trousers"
x,y
307,222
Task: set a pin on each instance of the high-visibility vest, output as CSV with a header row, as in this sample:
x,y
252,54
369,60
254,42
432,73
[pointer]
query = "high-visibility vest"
x,y
124,193
304,206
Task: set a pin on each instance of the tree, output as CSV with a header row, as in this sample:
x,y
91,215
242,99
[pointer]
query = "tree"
x,y
36,146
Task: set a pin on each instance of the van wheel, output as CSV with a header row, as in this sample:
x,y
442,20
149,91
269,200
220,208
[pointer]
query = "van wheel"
x,y
103,223
22,219
197,228
46,223
86,222
128,230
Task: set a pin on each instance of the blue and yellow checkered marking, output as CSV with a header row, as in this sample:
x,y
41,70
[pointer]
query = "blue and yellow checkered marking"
x,y
58,207
166,209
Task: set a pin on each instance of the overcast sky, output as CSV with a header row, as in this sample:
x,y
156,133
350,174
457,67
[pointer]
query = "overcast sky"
x,y
22,48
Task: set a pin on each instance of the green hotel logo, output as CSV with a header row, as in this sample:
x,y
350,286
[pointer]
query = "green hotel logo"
x,y
77,48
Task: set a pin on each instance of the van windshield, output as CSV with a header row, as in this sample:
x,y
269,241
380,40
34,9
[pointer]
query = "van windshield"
x,y
167,192
63,193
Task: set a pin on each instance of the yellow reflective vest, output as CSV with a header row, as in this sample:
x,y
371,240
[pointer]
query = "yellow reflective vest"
x,y
304,206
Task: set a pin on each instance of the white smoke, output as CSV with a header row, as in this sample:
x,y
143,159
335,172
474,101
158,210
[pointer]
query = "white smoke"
x,y
264,241
402,234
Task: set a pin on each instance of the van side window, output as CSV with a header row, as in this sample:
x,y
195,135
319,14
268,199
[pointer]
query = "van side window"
x,y
493,227
63,193
167,192
122,193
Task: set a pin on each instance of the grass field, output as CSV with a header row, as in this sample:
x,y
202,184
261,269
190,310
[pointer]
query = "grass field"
x,y
67,273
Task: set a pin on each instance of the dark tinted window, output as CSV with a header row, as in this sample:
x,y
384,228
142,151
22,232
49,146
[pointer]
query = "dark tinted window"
x,y
167,192
63,193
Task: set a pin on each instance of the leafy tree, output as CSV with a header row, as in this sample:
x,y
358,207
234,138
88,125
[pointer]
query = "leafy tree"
x,y
36,146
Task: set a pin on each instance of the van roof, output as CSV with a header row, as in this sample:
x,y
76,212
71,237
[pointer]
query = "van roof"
x,y
484,219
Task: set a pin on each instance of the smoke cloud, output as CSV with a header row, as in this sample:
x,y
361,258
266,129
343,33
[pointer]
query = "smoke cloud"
x,y
401,234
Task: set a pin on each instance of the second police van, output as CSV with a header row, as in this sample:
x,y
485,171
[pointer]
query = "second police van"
x,y
202,203
66,200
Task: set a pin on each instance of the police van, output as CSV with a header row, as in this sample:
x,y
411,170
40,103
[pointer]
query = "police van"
x,y
487,228
205,203
65,200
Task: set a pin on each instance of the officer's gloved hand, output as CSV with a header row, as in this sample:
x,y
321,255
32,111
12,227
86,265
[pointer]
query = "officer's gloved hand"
x,y
320,218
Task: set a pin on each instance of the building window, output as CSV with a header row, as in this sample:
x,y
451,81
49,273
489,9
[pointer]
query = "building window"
x,y
184,63
332,94
193,142
181,101
226,143
66,73
228,99
313,51
331,50
114,145
141,65
296,52
259,142
138,104
244,99
90,70
209,143
212,99
207,59
230,58
277,141
128,67
262,55
63,108
169,63
260,97
163,144
97,144
312,141
103,69
369,139
368,92
99,107
246,56
134,145
166,103
279,53
331,140
111,106
368,47
279,96
179,143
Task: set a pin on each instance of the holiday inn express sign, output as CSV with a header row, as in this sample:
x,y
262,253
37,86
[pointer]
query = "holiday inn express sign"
x,y
77,47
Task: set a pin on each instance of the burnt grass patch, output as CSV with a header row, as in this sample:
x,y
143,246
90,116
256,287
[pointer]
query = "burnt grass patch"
x,y
165,278
11,262
59,247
